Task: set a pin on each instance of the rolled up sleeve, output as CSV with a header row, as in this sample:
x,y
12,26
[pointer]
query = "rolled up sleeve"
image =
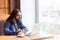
x,y
24,28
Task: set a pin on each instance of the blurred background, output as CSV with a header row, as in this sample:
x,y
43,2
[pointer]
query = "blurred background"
x,y
43,15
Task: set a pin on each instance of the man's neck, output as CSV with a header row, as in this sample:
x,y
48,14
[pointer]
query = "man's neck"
x,y
14,21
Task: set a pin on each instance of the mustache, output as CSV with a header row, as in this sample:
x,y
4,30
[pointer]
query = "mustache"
x,y
18,19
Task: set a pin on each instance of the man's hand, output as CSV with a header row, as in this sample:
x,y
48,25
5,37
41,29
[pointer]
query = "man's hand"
x,y
20,30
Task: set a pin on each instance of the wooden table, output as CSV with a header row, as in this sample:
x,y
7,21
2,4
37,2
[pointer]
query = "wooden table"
x,y
41,36
13,38
33,37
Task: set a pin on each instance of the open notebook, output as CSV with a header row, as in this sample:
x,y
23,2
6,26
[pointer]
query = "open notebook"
x,y
38,31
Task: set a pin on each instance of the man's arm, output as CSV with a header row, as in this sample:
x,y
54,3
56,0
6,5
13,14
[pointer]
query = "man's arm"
x,y
7,30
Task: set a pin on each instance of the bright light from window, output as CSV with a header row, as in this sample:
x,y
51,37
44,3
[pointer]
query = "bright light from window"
x,y
28,12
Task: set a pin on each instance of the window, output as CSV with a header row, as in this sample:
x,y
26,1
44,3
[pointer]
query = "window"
x,y
28,13
49,15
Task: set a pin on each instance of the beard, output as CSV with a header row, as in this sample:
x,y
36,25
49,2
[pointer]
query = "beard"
x,y
19,20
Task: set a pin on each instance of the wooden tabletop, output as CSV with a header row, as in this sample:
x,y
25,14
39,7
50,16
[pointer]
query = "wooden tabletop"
x,y
13,38
33,37
41,36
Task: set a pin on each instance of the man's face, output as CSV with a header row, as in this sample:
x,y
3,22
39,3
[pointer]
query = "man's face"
x,y
18,16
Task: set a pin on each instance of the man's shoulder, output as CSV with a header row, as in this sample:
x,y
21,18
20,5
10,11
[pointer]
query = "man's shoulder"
x,y
7,22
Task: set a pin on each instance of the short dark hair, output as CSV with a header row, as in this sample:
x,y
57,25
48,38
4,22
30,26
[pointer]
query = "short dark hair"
x,y
13,14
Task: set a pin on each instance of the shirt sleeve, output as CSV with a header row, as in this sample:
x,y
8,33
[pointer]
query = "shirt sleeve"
x,y
28,33
24,28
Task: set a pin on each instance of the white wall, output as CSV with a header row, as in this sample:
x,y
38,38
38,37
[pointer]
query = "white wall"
x,y
28,12
49,15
